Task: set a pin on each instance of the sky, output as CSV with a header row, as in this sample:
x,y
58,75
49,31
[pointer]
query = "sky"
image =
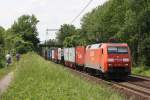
x,y
51,13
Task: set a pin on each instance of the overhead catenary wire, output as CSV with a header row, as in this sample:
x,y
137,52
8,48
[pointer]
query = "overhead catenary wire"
x,y
82,11
90,1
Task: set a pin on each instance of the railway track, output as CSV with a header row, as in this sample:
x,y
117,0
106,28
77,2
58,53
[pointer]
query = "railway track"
x,y
136,88
143,93
139,81
140,77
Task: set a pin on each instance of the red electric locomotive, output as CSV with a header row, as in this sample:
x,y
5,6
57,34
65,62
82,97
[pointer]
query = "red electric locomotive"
x,y
112,59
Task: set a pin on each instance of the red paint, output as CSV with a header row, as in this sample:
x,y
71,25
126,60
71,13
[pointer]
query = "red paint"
x,y
80,54
97,57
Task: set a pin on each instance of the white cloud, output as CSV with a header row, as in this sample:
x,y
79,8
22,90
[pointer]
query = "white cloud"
x,y
51,13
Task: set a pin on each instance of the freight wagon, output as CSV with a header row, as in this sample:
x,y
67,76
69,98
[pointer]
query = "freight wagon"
x,y
80,57
49,54
69,57
60,55
56,55
45,53
53,55
66,59
108,59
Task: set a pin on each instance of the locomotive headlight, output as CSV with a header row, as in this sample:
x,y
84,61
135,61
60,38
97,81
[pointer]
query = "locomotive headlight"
x,y
125,59
110,59
110,65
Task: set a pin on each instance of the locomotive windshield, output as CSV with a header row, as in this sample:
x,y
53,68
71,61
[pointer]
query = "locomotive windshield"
x,y
117,50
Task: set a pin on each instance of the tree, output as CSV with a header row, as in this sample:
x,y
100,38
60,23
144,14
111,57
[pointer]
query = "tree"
x,y
65,31
74,40
52,42
2,30
25,26
2,44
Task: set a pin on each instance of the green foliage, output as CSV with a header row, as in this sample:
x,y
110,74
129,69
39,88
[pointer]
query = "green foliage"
x,y
52,43
64,32
2,32
2,62
6,70
26,28
142,70
24,47
74,40
37,79
21,37
145,49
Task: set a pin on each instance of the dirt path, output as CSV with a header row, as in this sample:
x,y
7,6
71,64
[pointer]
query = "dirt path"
x,y
5,81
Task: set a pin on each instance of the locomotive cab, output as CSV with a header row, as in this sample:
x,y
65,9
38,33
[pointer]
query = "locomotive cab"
x,y
118,60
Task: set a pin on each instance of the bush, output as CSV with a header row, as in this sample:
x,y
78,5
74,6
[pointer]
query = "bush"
x,y
141,70
24,47
2,62
2,58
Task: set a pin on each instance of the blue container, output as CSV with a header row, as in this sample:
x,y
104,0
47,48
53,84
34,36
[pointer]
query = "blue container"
x,y
49,54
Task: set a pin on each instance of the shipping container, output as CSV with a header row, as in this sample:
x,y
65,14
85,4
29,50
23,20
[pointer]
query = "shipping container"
x,y
52,54
69,57
59,54
72,55
56,55
80,55
66,54
49,54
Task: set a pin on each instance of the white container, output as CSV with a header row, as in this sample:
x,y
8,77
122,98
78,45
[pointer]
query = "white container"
x,y
72,55
52,54
66,54
59,53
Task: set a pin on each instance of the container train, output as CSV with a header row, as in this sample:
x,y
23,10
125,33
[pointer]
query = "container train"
x,y
111,60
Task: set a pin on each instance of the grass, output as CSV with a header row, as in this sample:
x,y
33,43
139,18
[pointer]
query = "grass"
x,y
144,71
37,79
4,71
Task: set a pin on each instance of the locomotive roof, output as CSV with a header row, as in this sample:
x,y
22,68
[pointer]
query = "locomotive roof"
x,y
115,44
94,46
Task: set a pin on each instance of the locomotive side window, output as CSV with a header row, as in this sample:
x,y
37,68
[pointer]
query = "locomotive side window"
x,y
117,50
